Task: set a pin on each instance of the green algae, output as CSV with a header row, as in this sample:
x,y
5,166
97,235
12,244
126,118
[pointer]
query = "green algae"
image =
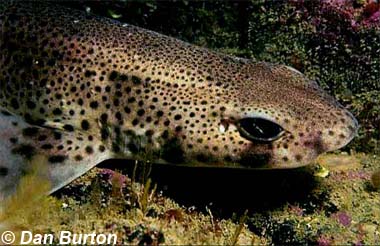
x,y
342,208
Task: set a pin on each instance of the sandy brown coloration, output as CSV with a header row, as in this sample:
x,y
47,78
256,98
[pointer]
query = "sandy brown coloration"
x,y
132,91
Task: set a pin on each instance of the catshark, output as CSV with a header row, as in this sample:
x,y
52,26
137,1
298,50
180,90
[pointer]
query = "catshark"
x,y
78,89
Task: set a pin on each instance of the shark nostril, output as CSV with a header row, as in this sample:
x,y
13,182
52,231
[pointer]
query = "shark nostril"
x,y
351,128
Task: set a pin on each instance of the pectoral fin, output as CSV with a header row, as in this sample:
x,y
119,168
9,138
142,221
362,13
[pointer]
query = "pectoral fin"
x,y
68,155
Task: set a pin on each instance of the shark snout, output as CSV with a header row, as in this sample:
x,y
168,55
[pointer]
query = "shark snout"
x,y
341,134
352,128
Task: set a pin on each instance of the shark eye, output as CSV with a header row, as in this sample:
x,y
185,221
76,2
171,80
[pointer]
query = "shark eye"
x,y
258,129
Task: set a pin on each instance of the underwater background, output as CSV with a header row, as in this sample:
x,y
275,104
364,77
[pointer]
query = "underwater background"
x,y
335,202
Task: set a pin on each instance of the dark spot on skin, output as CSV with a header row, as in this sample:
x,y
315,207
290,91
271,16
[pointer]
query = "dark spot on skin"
x,y
89,150
298,157
42,138
89,73
78,158
118,116
47,146
178,128
113,75
149,133
30,104
24,150
3,171
57,111
57,135
102,148
136,80
127,110
140,112
135,122
94,104
85,125
56,158
68,127
30,131
123,77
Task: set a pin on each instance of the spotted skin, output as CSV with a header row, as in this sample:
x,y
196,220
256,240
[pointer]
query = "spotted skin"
x,y
132,93
21,142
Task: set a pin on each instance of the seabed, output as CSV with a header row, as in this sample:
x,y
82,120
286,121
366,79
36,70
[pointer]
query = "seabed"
x,y
334,202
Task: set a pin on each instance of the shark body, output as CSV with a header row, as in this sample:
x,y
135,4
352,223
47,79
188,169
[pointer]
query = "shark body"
x,y
79,89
